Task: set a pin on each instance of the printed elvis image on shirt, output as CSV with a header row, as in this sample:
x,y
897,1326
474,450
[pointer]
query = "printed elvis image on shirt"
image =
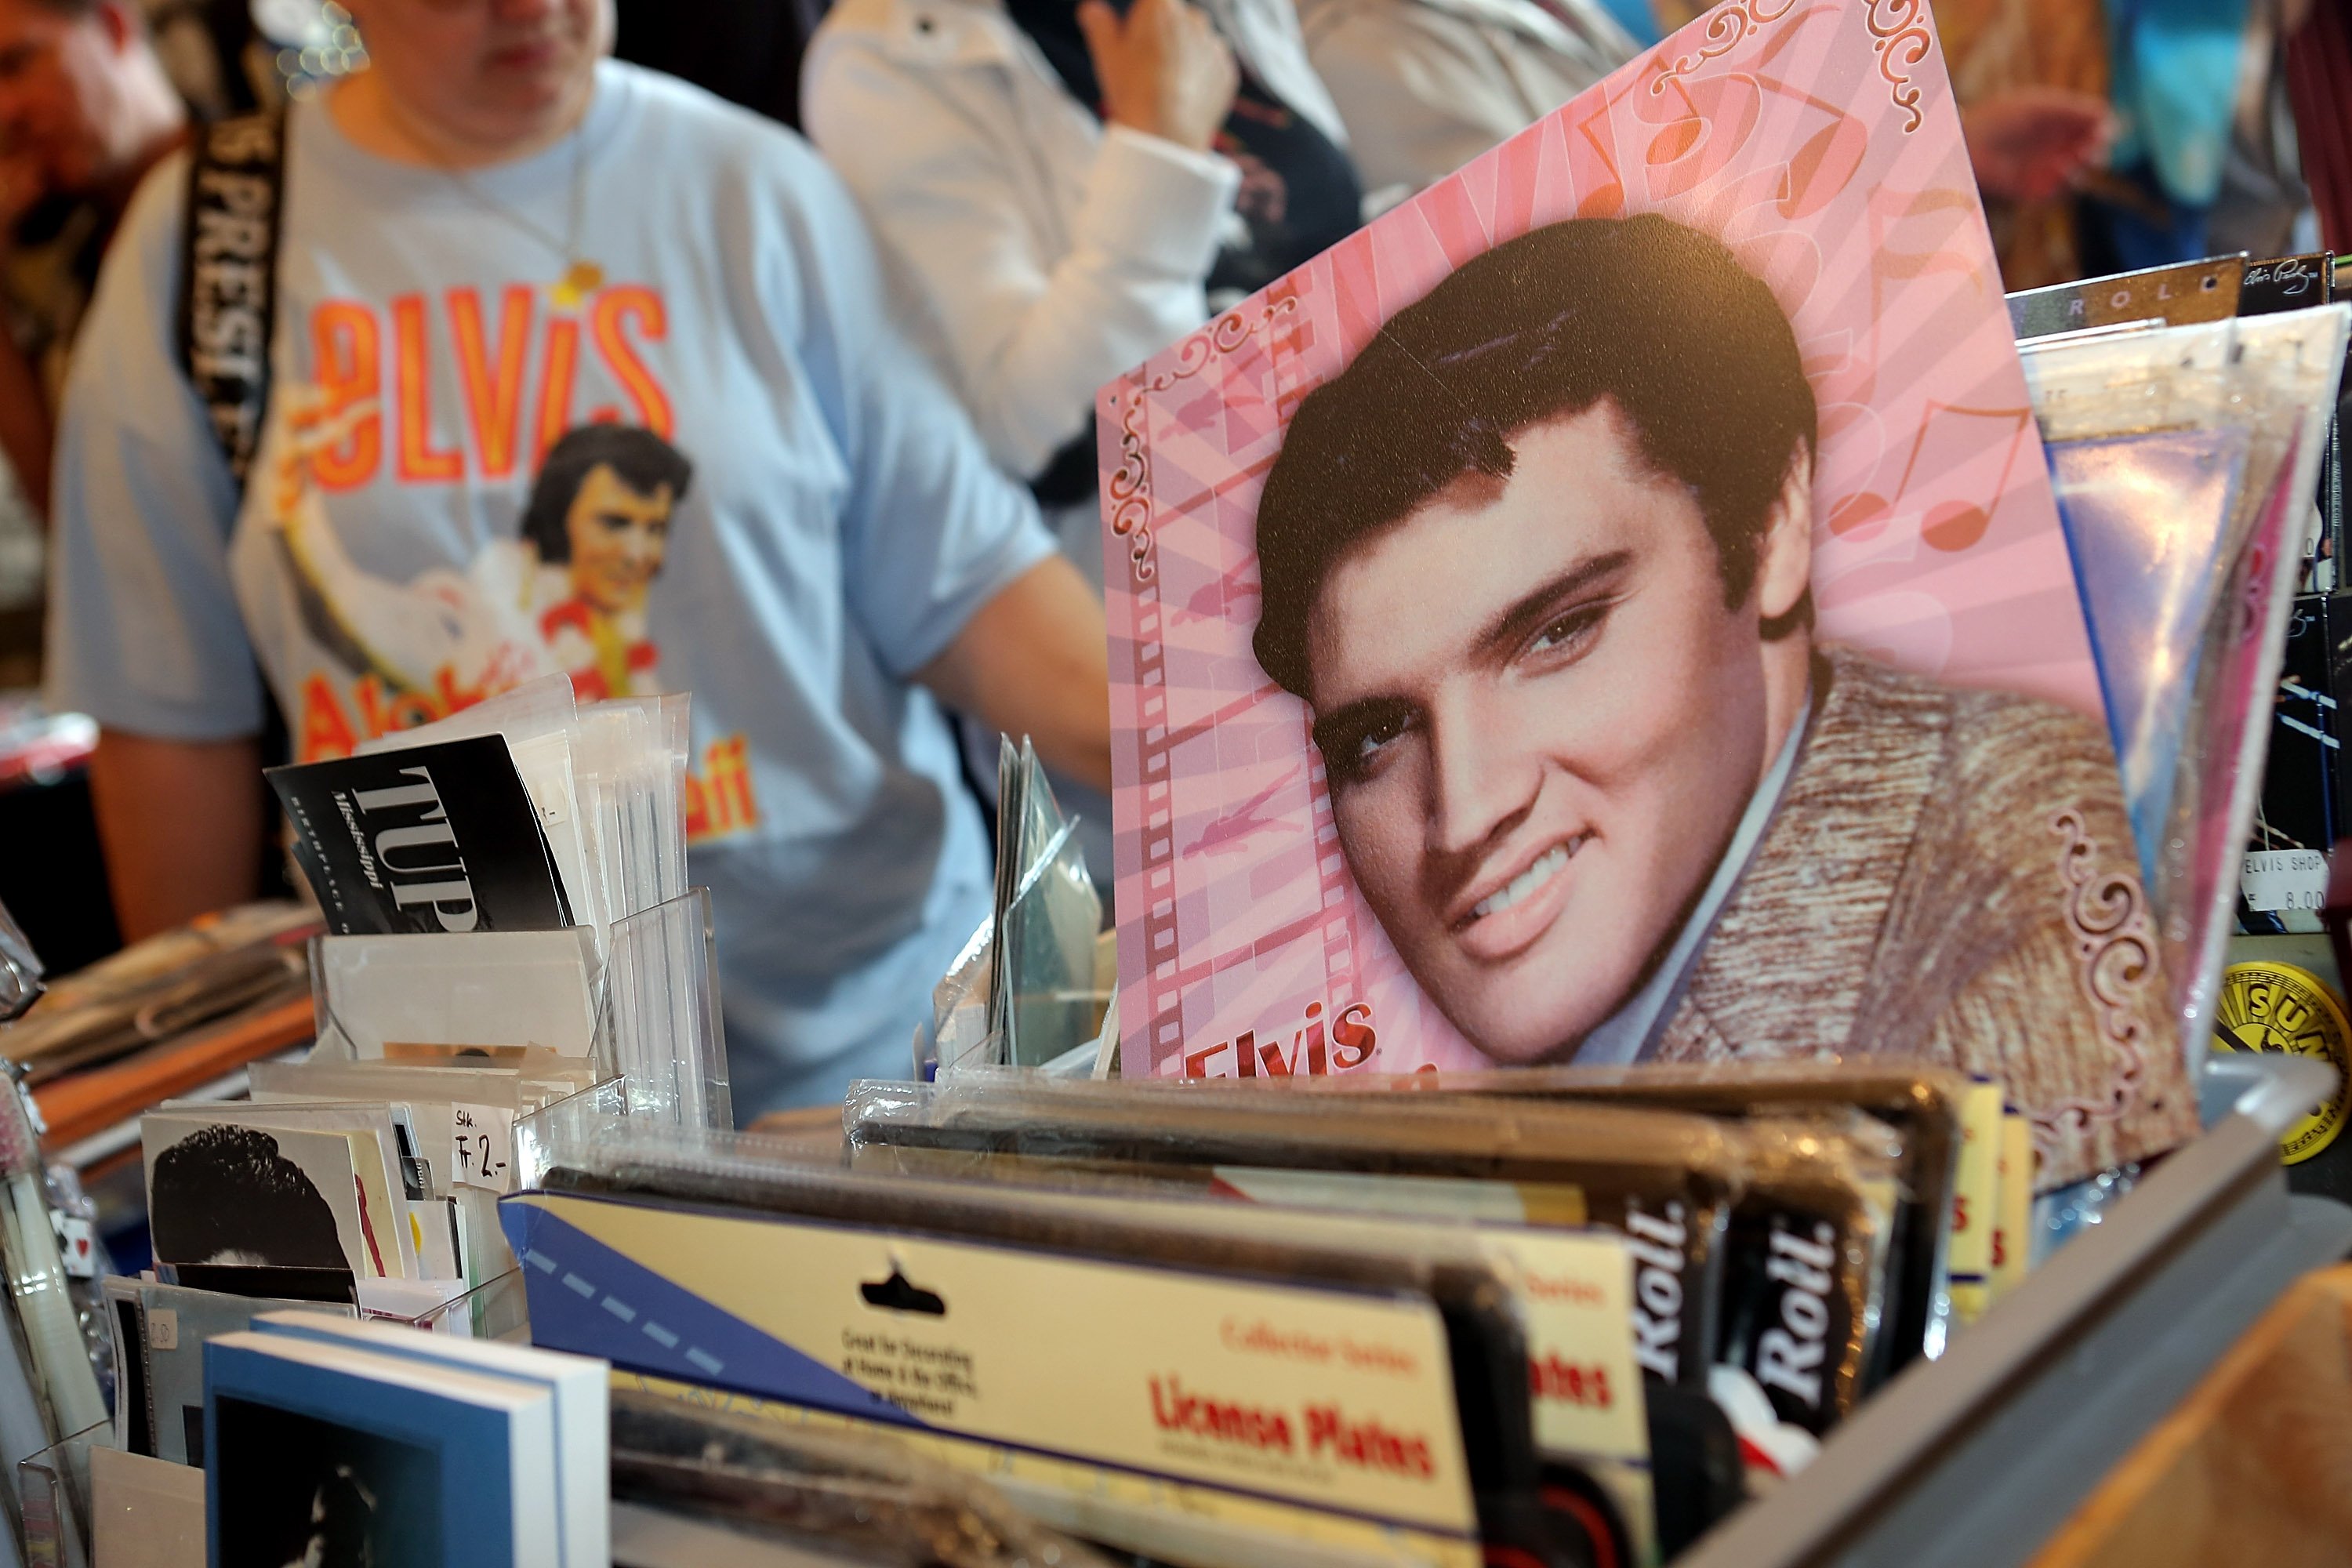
x,y
568,594
1539,563
563,584
599,513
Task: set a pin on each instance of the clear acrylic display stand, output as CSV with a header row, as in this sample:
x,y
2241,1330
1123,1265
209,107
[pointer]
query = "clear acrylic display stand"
x,y
657,1019
53,1487
494,1310
1974,1461
662,1023
540,1138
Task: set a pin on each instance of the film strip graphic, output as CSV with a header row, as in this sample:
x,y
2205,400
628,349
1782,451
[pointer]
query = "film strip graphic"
x,y
1169,973
1165,1032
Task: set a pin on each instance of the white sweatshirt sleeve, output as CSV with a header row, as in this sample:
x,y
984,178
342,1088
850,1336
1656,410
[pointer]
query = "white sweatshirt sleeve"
x,y
1031,335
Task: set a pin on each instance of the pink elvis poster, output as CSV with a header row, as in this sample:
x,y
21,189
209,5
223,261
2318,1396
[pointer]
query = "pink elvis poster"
x,y
1612,609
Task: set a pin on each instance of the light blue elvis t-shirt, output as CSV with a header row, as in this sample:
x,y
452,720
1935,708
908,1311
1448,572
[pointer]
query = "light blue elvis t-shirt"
x,y
686,451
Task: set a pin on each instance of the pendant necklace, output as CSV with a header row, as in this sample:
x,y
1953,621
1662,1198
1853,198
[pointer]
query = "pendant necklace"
x,y
580,277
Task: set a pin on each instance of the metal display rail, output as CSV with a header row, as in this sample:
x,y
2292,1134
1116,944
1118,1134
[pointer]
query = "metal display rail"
x,y
1974,1461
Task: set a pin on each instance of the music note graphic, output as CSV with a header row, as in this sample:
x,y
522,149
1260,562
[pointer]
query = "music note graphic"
x,y
1953,524
1591,140
1827,161
1707,118
1927,222
1702,126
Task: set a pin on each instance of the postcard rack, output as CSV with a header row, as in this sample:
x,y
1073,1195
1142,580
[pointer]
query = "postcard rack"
x,y
1977,1458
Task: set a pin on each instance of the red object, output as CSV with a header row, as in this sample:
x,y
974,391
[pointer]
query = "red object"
x,y
2338,912
41,750
1560,1500
83,1103
2319,83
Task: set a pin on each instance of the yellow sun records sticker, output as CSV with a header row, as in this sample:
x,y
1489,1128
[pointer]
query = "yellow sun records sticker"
x,y
2013,1238
2268,1006
1976,1201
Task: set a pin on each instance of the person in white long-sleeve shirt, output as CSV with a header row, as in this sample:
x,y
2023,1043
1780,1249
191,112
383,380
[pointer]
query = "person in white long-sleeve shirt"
x,y
1057,238
1425,86
1068,188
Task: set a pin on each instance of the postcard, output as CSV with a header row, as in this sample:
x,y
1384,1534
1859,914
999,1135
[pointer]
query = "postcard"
x,y
428,838
222,1194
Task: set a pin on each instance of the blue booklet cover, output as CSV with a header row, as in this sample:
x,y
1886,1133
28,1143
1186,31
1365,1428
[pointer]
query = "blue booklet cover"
x,y
580,1386
323,1454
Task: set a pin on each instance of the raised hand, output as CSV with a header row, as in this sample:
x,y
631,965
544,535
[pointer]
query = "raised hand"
x,y
1164,71
2032,142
